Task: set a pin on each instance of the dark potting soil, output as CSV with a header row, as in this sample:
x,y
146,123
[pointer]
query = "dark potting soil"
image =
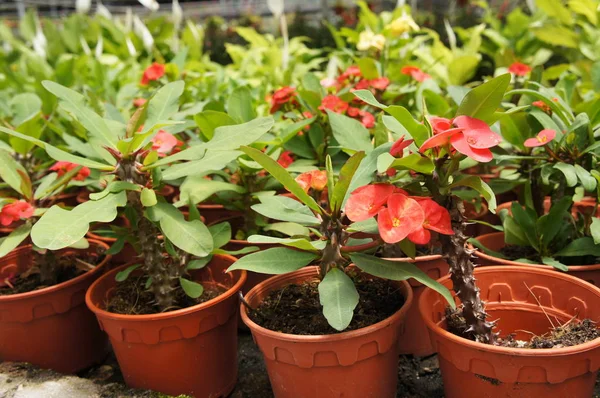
x,y
571,333
66,268
514,252
296,309
131,297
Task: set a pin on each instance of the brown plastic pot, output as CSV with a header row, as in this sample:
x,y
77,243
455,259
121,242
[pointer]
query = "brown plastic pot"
x,y
495,242
476,370
360,363
188,351
415,339
584,206
51,327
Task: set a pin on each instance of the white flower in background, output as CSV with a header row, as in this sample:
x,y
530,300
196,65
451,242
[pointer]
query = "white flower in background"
x,y
177,14
83,6
99,47
368,39
142,31
328,82
130,47
150,4
39,40
84,45
402,25
103,11
275,6
128,20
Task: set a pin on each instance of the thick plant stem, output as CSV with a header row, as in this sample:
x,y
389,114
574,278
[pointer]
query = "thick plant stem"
x,y
164,275
46,263
461,271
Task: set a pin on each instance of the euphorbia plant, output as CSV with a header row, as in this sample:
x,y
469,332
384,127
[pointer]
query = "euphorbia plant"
x,y
332,246
133,171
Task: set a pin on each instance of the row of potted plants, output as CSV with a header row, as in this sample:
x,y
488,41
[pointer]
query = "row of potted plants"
x,y
137,222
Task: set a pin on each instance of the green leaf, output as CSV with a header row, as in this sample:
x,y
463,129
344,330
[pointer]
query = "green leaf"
x,y
414,162
123,275
116,247
368,97
483,248
368,68
245,250
526,221
190,236
554,263
299,243
74,103
588,182
212,160
196,189
148,197
350,133
345,177
209,120
14,239
163,105
287,228
59,228
58,154
25,107
555,9
368,226
339,297
408,248
277,260
480,186
221,234
580,247
513,234
417,130
595,230
192,289
281,175
366,170
114,187
569,172
9,171
285,209
198,263
550,224
557,35
240,105
482,101
398,271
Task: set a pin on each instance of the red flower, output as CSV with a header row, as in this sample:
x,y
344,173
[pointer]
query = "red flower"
x,y
285,159
139,102
353,112
315,179
365,202
15,211
543,106
363,84
440,124
164,142
397,149
543,137
333,103
367,119
62,168
471,137
281,97
153,72
519,69
380,83
437,219
352,72
415,72
402,216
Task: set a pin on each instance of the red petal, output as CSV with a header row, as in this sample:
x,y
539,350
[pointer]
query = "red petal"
x,y
440,139
420,237
483,155
403,216
478,133
365,202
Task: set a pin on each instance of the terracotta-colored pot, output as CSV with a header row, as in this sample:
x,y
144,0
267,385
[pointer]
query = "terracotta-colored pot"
x,y
359,363
416,340
51,327
495,242
584,206
188,351
127,254
472,214
475,370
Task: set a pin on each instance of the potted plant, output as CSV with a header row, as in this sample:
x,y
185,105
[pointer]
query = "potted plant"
x,y
187,301
314,337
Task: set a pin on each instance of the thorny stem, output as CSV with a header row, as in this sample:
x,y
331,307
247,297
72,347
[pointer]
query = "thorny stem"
x,y
46,263
461,271
332,229
164,275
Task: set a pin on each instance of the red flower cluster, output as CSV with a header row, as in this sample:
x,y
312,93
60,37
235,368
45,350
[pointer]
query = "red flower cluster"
x,y
469,136
285,159
315,179
399,216
366,118
397,149
379,83
152,73
519,69
62,168
164,142
352,73
15,211
333,103
541,139
283,96
415,72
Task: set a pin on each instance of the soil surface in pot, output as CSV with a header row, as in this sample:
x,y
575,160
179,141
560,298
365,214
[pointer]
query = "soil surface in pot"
x,y
515,253
66,268
571,333
296,309
131,297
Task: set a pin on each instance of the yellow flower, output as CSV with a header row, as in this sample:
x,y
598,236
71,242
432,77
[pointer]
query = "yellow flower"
x,y
402,25
368,39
